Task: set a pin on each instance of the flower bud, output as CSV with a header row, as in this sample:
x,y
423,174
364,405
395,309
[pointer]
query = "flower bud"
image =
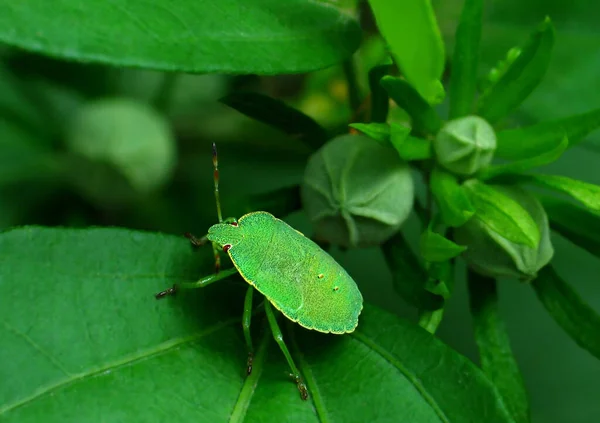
x,y
490,254
465,145
356,191
127,135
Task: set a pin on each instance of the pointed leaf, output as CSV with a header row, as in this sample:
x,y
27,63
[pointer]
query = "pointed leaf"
x,y
453,201
542,159
567,308
495,354
436,247
109,339
576,224
279,115
378,131
238,36
584,192
420,56
522,143
502,214
424,117
408,275
522,76
463,77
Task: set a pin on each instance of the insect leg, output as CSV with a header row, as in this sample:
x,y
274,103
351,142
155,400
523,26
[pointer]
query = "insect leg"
x,y
279,339
217,253
247,317
207,280
196,242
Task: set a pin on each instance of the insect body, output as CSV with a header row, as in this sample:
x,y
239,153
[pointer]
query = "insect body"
x,y
294,274
300,279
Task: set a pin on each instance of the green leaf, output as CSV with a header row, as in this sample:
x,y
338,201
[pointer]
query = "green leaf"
x,y
455,207
408,275
502,214
424,117
279,115
411,148
495,354
542,159
441,282
567,308
463,78
586,193
238,36
418,48
436,247
574,223
522,143
109,338
522,76
378,131
380,102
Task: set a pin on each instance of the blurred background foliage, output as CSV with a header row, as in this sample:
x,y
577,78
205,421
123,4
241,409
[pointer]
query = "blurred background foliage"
x,y
42,99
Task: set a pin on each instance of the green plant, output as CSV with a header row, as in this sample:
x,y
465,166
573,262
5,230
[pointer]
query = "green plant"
x,y
109,128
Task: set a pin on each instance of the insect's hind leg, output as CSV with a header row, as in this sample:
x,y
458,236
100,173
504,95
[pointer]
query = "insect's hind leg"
x,y
279,339
247,317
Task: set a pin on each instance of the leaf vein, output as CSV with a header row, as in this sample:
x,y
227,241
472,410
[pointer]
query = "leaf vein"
x,y
412,378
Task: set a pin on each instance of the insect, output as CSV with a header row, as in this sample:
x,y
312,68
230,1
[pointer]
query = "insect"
x,y
295,275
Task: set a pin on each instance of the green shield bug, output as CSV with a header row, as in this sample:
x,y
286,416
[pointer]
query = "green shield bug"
x,y
295,275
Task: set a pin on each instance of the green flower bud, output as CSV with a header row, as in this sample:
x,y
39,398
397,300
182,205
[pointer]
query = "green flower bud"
x,y
490,254
356,191
465,145
127,135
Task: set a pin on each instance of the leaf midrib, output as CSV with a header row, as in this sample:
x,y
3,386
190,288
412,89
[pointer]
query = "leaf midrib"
x,y
160,349
413,379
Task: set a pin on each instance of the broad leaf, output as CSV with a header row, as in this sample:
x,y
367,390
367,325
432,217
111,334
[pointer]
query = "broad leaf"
x,y
424,117
576,224
455,206
279,115
463,78
568,309
418,48
502,214
518,166
80,324
232,36
522,76
495,353
531,141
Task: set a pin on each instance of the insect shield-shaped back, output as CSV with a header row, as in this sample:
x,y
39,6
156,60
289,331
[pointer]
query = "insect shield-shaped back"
x,y
356,192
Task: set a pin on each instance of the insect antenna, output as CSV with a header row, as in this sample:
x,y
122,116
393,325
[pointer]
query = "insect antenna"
x,y
216,179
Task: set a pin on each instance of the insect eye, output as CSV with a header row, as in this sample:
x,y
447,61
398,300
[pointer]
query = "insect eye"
x,y
226,247
234,223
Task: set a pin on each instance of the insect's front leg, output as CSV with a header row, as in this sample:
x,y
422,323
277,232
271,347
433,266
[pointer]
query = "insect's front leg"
x,y
247,317
207,280
279,339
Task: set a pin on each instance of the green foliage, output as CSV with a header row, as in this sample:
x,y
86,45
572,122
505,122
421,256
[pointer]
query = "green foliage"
x,y
569,310
421,55
190,36
191,348
495,352
521,76
92,136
